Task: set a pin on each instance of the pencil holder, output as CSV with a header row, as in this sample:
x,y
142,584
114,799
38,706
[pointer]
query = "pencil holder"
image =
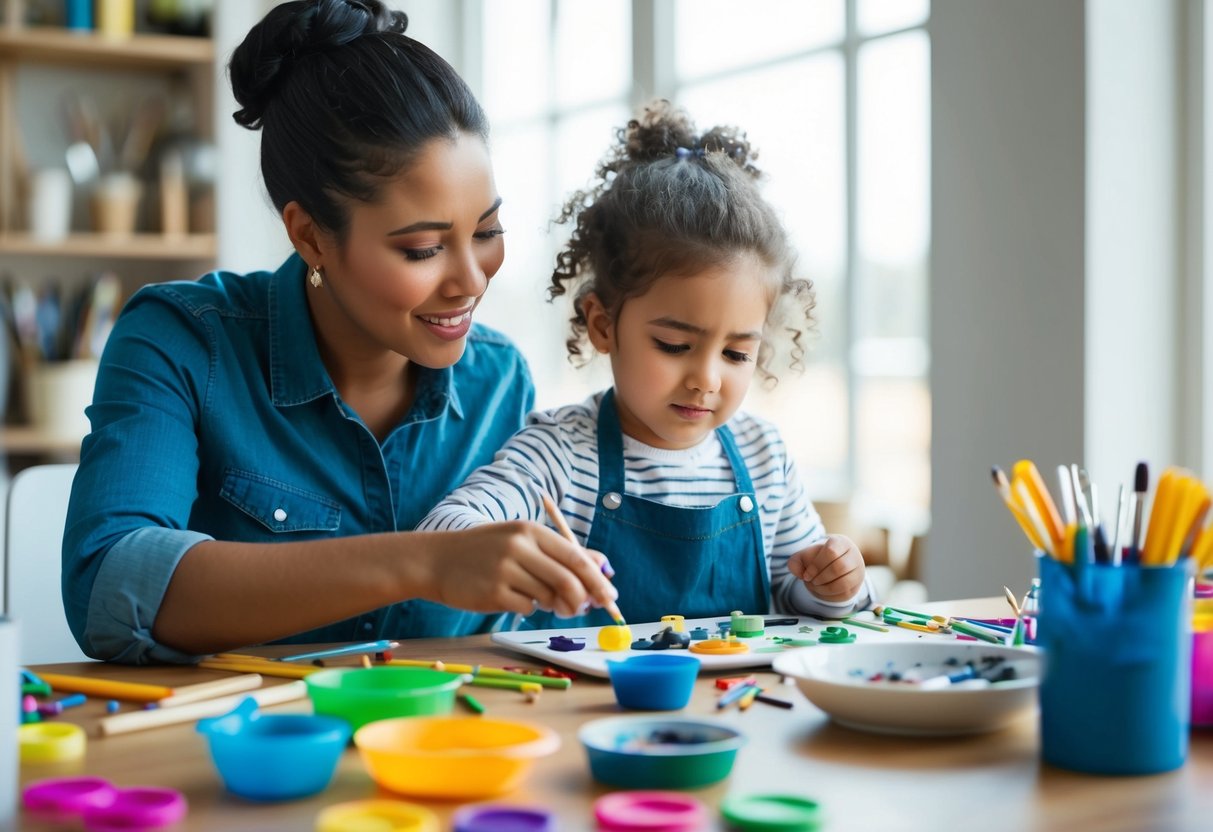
x,y
1115,695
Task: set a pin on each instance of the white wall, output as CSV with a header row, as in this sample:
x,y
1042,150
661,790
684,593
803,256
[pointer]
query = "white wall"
x,y
1007,268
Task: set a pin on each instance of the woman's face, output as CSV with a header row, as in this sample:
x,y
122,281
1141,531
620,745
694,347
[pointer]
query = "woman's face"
x,y
416,262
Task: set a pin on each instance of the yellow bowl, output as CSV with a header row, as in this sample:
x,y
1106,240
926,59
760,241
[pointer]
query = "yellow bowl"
x,y
452,756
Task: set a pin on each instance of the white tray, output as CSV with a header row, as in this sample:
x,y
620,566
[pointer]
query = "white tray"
x,y
592,660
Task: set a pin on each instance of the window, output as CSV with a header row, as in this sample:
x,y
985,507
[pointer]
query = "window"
x,y
834,94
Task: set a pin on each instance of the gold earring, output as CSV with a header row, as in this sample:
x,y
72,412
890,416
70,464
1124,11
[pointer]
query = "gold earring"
x,y
316,278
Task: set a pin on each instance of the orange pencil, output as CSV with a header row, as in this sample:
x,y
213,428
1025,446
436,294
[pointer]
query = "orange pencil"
x,y
107,689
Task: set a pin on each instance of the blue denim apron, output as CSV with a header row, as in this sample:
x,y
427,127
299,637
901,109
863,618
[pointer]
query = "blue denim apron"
x,y
694,562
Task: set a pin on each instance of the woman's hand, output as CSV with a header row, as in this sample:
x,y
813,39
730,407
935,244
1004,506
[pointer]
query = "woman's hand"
x,y
515,567
832,570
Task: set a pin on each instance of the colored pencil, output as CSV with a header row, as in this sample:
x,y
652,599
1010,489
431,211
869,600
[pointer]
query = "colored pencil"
x,y
504,684
867,625
346,650
471,703
107,689
142,720
557,682
264,667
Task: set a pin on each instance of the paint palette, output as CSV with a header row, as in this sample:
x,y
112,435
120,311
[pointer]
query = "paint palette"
x,y
920,688
777,639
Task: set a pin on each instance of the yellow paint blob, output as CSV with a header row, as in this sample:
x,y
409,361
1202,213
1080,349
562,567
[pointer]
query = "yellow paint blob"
x,y
615,637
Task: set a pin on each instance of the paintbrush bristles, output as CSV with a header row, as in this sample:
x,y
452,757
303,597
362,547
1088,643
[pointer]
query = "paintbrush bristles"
x,y
1011,600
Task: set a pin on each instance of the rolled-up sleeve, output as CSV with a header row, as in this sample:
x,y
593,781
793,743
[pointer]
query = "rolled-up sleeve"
x,y
131,500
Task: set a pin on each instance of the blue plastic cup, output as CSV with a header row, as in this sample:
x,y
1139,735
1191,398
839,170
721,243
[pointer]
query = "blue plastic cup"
x,y
1115,695
274,756
654,683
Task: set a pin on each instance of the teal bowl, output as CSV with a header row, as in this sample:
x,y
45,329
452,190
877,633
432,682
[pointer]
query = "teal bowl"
x,y
659,752
362,695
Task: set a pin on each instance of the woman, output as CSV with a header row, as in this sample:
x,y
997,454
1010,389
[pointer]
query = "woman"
x,y
259,440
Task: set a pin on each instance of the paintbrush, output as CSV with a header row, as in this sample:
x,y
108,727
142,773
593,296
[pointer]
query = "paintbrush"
x,y
1141,481
563,527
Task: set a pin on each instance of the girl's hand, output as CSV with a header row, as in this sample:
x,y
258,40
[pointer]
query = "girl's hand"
x,y
832,569
516,566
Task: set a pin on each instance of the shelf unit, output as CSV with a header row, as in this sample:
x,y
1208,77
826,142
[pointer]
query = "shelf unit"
x,y
189,61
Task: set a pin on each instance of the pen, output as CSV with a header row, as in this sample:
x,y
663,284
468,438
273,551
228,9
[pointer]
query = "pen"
x,y
567,533
349,649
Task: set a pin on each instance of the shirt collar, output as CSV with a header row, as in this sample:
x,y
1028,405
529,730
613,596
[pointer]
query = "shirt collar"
x,y
297,374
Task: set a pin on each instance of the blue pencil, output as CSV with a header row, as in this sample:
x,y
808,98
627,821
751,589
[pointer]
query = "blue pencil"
x,y
349,649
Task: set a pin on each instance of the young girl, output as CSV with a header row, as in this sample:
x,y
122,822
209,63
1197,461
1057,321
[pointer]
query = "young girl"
x,y
682,275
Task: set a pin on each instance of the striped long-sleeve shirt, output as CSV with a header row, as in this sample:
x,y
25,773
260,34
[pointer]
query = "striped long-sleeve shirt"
x,y
557,453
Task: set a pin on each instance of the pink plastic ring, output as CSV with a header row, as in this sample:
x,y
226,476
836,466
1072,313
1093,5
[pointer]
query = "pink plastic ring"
x,y
66,796
142,808
645,811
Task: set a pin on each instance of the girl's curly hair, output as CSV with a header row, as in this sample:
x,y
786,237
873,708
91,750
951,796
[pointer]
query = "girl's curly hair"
x,y
667,199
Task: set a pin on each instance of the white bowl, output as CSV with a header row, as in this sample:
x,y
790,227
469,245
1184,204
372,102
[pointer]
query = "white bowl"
x,y
839,680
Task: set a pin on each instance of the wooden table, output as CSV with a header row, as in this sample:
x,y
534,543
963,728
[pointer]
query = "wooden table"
x,y
863,781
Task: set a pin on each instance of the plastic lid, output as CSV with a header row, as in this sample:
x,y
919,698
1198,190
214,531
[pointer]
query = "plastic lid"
x,y
649,811
67,795
771,813
503,819
376,816
50,742
138,808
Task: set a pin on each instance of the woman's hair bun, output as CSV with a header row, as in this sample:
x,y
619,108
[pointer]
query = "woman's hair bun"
x,y
292,31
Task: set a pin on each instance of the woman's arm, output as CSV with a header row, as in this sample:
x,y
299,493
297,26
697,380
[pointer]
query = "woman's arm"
x,y
227,595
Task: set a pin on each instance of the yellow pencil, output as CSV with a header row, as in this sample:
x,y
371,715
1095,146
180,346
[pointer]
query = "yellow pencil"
x,y
1162,515
1019,488
1190,507
1004,491
282,670
560,682
1025,470
567,533
105,688
210,690
1202,549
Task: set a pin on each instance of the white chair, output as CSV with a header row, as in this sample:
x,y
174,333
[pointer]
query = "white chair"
x,y
33,563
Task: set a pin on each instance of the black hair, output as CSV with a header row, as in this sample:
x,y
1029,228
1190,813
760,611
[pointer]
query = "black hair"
x,y
344,99
667,199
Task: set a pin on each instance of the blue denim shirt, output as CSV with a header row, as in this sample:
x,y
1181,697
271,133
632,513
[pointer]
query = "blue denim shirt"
x,y
214,418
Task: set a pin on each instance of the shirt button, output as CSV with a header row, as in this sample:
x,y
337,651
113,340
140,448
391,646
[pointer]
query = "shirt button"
x,y
279,514
612,501
368,626
747,505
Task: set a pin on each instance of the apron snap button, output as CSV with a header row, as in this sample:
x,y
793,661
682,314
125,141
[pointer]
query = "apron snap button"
x,y
612,501
279,515
747,505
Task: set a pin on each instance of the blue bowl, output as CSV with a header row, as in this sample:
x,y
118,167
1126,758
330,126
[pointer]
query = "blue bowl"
x,y
654,683
635,752
274,757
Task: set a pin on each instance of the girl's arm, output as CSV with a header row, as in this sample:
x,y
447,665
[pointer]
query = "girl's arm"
x,y
534,462
803,554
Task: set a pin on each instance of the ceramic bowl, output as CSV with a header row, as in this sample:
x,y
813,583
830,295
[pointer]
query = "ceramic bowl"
x,y
851,683
654,683
362,695
635,752
274,756
452,758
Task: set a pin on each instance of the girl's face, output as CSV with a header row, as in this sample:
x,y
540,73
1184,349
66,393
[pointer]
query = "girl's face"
x,y
683,353
416,262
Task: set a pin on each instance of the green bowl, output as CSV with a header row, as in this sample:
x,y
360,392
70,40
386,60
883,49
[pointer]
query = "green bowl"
x,y
659,752
365,694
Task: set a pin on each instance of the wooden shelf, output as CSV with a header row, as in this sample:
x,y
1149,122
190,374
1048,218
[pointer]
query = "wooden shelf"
x,y
62,46
133,247
26,440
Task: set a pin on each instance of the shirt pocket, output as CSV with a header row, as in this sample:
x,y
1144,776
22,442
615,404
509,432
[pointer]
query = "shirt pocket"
x,y
278,506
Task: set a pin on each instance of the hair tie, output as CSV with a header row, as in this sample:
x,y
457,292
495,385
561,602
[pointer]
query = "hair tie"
x,y
684,152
